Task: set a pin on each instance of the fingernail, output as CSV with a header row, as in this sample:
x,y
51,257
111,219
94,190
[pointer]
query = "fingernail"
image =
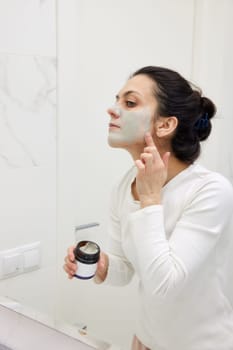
x,y
97,279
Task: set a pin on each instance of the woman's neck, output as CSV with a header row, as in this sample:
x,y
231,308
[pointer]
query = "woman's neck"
x,y
175,166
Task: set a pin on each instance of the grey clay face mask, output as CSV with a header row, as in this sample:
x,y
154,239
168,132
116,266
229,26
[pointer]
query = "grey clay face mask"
x,y
133,126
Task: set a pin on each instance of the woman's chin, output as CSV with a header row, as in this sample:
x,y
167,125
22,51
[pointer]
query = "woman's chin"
x,y
116,143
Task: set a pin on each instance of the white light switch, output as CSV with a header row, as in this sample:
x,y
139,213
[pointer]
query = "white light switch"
x,y
31,259
24,258
12,264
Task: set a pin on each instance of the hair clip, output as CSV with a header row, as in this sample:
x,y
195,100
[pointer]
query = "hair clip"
x,y
202,123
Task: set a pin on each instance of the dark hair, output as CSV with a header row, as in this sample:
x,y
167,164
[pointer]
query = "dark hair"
x,y
178,97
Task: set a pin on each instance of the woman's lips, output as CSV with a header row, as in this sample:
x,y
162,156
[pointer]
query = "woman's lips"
x,y
113,125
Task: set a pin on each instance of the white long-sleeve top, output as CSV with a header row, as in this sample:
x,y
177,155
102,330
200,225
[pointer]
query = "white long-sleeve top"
x,y
182,252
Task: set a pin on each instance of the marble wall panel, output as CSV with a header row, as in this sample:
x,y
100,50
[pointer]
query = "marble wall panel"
x,y
28,26
27,110
28,143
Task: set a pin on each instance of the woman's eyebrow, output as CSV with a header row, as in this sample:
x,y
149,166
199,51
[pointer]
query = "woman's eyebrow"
x,y
125,94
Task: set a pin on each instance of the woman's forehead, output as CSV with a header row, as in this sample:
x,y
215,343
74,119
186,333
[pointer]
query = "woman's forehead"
x,y
139,84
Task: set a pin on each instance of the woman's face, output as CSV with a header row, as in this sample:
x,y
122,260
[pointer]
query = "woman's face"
x,y
133,113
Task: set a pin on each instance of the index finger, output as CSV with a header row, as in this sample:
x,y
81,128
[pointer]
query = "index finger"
x,y
70,252
149,140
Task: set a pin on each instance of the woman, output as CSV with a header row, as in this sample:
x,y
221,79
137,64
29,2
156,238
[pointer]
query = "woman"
x,y
170,217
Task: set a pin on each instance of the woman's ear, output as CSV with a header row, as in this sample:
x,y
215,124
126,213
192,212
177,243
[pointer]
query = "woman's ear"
x,y
165,126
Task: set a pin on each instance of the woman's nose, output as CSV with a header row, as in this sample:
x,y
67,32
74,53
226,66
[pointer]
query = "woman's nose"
x,y
114,112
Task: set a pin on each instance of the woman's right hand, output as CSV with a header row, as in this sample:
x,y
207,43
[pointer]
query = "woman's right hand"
x,y
70,265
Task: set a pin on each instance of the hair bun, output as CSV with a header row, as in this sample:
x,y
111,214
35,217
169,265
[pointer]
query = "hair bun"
x,y
208,107
203,124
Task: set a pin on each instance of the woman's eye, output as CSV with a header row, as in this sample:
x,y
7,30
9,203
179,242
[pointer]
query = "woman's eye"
x,y
130,104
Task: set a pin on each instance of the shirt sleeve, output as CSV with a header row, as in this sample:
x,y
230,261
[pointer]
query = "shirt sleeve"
x,y
163,265
120,270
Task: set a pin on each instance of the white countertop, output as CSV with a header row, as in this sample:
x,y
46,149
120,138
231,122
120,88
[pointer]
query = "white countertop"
x,y
25,329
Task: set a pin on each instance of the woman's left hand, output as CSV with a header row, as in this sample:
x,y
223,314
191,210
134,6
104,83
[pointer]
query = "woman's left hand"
x,y
152,173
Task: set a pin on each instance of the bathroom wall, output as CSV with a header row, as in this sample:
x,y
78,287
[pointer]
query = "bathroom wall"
x,y
213,71
28,144
99,44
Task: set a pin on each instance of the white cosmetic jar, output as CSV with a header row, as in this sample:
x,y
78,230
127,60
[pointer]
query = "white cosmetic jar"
x,y
86,254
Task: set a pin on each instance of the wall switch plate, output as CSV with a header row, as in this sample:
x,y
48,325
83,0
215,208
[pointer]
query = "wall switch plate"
x,y
12,264
31,259
19,260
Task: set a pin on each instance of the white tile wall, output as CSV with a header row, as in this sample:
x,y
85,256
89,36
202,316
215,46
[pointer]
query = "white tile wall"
x,y
27,111
28,26
28,143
